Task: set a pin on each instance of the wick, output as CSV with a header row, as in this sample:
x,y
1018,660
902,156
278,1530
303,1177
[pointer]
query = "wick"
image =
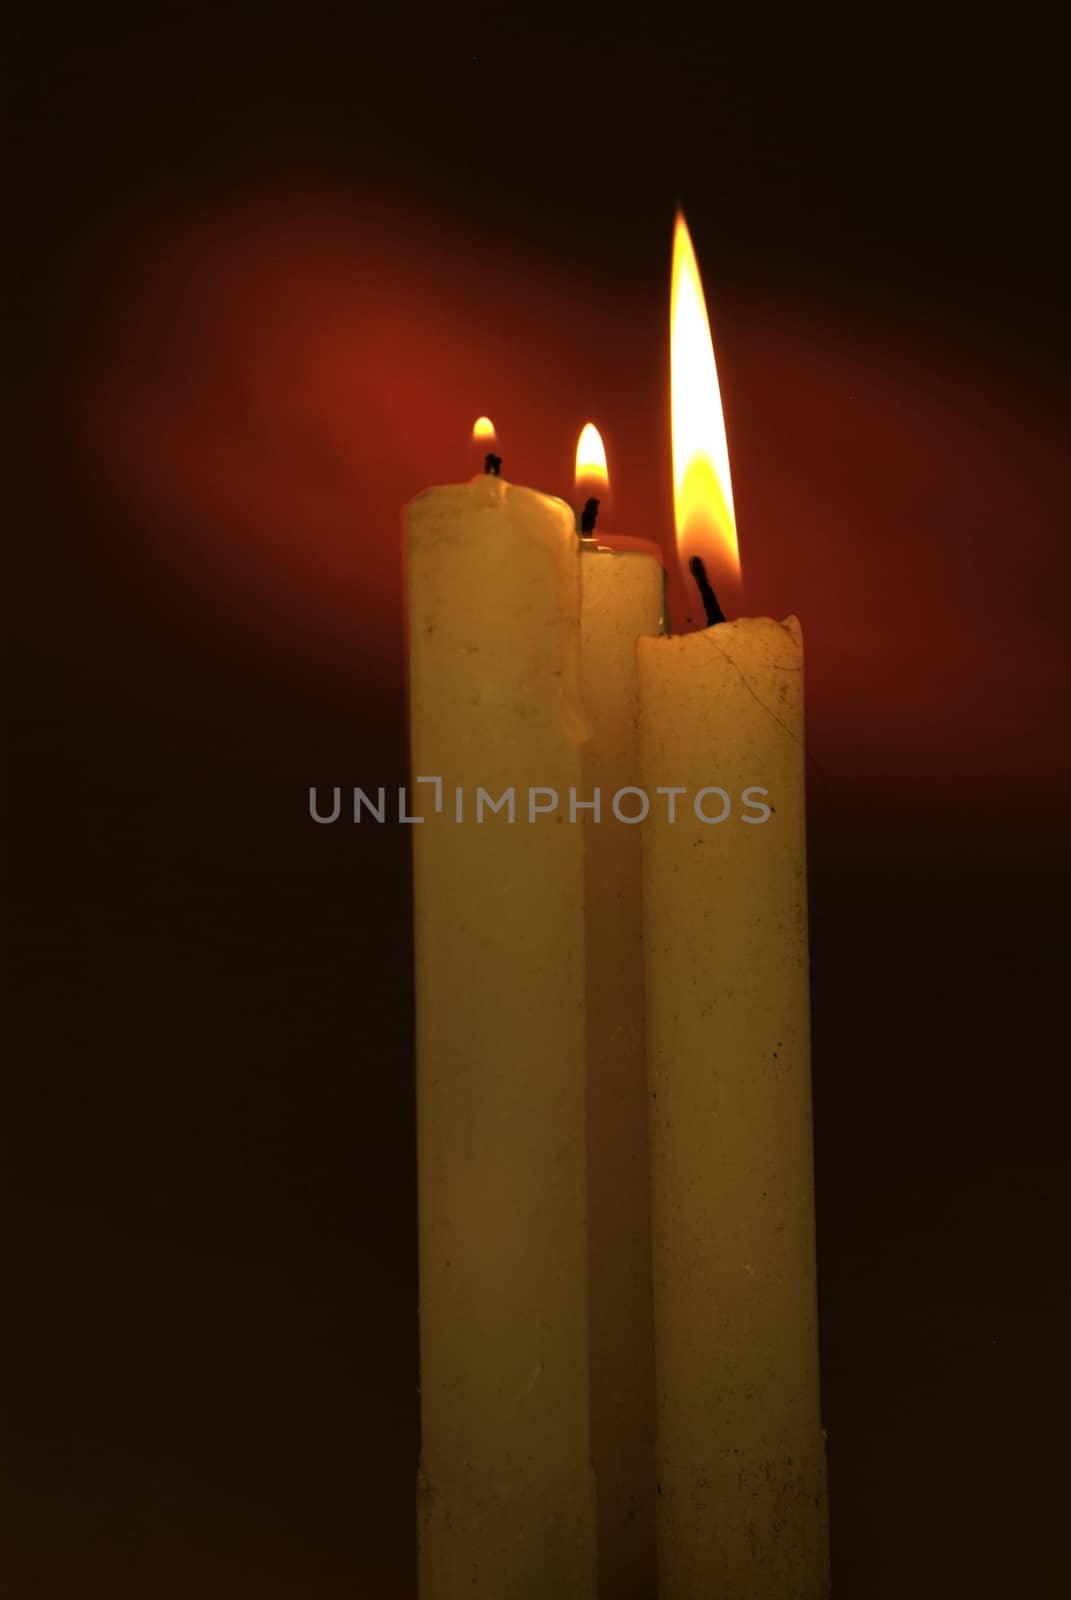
x,y
710,600
492,465
588,518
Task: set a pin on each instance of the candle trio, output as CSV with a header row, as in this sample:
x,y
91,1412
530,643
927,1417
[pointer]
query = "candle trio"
x,y
618,1328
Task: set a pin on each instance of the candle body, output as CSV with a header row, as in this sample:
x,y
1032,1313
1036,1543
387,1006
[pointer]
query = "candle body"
x,y
740,1454
622,599
505,1490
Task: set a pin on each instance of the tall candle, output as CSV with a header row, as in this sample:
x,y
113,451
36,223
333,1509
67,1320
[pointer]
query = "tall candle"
x,y
741,1497
741,1466
622,598
505,1489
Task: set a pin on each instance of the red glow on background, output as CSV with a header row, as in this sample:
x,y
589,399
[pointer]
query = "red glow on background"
x,y
264,388
268,386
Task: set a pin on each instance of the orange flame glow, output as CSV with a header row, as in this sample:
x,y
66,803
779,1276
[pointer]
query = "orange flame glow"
x,y
591,467
482,429
702,488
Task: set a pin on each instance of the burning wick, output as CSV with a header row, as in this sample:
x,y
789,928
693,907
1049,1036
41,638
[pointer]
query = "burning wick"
x,y
588,518
710,600
492,465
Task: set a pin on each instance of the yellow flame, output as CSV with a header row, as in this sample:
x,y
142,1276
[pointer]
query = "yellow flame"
x,y
591,457
702,488
482,428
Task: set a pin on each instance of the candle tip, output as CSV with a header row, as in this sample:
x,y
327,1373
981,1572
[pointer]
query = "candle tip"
x,y
714,613
492,465
588,518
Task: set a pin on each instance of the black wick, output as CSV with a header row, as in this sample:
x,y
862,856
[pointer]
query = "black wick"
x,y
492,465
710,600
588,518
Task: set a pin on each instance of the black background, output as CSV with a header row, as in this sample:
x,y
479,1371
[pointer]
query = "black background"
x,y
211,1285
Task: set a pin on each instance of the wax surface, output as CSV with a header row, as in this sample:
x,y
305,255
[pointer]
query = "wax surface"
x,y
741,1499
622,598
506,1499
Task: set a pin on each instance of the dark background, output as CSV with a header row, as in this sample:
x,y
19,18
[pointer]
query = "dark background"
x,y
264,282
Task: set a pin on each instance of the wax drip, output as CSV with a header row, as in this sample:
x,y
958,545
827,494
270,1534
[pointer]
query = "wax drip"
x,y
492,465
588,518
710,600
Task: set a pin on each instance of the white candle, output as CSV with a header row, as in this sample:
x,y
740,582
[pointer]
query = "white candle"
x,y
622,598
741,1504
506,1499
741,1467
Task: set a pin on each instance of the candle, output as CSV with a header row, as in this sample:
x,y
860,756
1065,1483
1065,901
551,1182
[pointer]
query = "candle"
x,y
505,1489
741,1509
622,598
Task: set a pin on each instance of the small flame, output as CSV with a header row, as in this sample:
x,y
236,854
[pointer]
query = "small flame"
x,y
702,488
591,468
483,429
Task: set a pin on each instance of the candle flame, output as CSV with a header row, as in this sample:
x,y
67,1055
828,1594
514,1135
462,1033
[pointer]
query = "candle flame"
x,y
483,429
702,488
591,469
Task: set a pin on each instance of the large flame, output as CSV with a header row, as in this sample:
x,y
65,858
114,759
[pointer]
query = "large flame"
x,y
591,471
702,489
